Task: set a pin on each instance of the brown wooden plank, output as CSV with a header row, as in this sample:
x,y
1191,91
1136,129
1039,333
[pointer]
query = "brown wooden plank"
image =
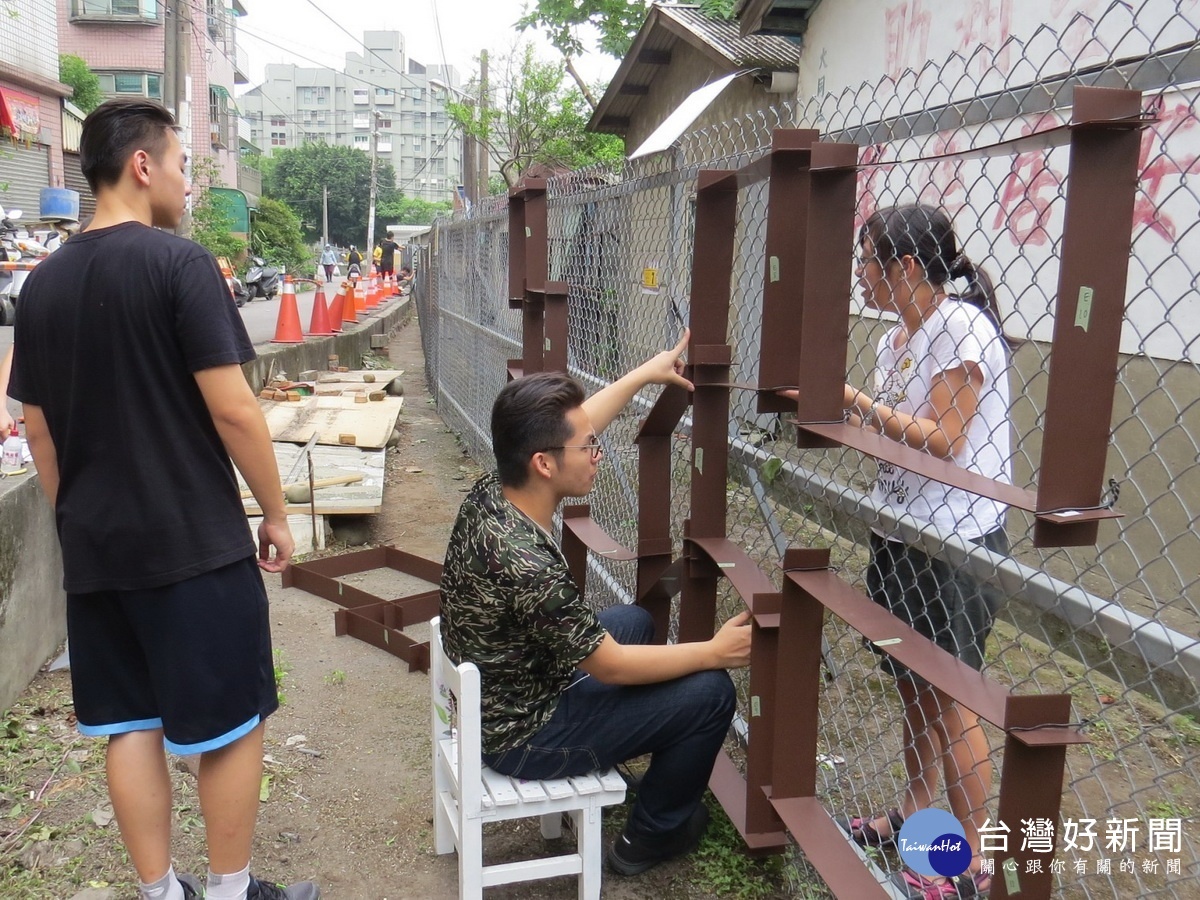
x,y
740,570
594,537
827,848
975,691
729,787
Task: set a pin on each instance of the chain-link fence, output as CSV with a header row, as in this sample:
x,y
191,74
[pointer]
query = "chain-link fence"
x,y
1114,625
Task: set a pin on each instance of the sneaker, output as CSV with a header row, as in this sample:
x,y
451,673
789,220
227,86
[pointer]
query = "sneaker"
x,y
265,890
633,854
191,886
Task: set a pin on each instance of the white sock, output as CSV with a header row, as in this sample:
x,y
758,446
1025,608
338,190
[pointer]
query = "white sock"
x,y
228,887
166,888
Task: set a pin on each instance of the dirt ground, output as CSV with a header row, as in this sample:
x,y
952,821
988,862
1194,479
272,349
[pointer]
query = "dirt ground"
x,y
347,793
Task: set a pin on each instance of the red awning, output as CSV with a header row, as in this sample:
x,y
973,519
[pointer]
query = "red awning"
x,y
20,113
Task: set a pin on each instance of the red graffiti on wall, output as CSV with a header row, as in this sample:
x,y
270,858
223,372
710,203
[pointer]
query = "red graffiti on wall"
x,y
868,178
906,35
1172,123
1027,192
985,24
944,186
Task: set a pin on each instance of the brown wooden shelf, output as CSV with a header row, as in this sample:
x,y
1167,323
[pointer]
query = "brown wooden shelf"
x,y
745,576
827,848
577,519
948,473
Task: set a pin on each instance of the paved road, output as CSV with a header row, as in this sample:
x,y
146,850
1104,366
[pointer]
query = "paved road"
x,y
260,316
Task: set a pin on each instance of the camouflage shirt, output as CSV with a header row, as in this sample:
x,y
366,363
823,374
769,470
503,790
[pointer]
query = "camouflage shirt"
x,y
510,606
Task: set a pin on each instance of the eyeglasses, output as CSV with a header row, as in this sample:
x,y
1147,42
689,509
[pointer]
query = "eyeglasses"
x,y
593,445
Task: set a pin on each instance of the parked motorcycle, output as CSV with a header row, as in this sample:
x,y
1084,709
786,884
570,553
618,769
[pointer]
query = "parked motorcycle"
x,y
261,280
241,293
19,253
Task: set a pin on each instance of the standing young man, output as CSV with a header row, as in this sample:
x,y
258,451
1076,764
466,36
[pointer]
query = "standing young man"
x,y
566,691
387,260
128,363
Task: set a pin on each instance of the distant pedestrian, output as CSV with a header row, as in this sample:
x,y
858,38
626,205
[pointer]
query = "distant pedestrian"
x,y
166,609
328,261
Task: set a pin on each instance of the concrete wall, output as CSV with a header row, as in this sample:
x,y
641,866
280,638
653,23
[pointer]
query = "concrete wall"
x,y
33,620
33,612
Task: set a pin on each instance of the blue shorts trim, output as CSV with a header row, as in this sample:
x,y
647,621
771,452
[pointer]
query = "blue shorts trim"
x,y
118,727
216,743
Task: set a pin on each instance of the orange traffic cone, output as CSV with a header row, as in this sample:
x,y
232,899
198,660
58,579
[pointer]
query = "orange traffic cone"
x,y
319,326
287,328
350,304
336,307
360,299
373,293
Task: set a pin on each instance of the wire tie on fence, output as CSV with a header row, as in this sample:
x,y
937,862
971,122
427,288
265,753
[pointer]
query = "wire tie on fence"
x,y
833,569
799,424
1108,501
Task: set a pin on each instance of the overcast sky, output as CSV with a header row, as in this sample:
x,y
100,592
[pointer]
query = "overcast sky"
x,y
279,31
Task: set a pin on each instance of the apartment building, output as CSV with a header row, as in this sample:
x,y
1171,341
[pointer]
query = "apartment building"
x,y
183,53
404,99
30,104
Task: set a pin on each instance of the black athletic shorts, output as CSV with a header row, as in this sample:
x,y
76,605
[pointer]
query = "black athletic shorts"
x,y
948,606
192,658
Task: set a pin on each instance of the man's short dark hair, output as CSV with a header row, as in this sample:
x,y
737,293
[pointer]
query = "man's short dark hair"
x,y
389,235
115,130
529,416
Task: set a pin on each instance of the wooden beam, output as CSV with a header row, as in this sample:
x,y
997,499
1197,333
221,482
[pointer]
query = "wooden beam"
x,y
655,57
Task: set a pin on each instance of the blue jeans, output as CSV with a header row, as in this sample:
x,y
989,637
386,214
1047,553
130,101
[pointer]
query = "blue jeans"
x,y
681,723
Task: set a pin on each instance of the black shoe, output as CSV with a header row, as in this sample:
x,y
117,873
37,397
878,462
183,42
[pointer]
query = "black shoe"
x,y
632,854
265,890
191,886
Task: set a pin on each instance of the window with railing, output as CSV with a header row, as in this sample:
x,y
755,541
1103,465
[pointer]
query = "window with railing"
x,y
218,116
121,10
146,84
216,19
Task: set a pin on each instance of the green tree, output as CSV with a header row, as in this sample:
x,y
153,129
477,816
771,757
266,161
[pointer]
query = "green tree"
x,y
533,117
615,21
212,219
296,176
74,72
275,235
410,211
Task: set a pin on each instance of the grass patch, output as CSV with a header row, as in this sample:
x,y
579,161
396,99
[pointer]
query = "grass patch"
x,y
723,869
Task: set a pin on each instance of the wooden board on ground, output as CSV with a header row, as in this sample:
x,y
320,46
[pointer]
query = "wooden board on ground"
x,y
362,498
360,376
335,383
337,421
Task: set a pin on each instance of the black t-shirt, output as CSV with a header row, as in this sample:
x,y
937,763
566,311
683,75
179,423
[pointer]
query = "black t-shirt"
x,y
110,330
389,252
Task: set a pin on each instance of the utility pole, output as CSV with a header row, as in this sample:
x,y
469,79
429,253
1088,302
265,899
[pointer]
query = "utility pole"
x,y
324,217
481,150
374,164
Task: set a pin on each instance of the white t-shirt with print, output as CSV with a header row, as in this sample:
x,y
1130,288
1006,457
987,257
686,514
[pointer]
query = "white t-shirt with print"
x,y
954,334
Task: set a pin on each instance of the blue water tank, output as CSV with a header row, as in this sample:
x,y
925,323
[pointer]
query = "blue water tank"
x,y
58,203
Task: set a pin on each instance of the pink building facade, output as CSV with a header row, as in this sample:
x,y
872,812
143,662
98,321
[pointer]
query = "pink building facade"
x,y
180,52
